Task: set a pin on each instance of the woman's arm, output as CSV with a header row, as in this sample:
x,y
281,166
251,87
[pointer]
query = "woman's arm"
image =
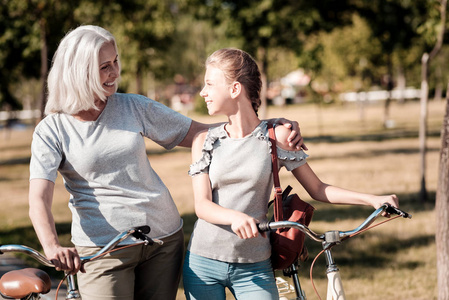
x,y
40,201
294,138
242,224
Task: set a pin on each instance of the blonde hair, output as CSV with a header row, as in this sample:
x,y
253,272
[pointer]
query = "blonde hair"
x,y
74,79
237,65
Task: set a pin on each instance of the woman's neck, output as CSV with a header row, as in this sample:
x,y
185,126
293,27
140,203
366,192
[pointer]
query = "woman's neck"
x,y
91,114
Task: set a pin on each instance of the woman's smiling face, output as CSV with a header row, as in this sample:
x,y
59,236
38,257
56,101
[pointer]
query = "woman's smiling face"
x,y
109,68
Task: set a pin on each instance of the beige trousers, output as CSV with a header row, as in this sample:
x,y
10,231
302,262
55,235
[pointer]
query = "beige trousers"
x,y
140,272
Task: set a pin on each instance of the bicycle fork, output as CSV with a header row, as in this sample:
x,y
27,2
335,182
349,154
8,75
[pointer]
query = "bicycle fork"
x,y
334,285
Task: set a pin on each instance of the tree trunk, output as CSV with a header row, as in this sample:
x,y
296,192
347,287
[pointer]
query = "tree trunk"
x,y
426,58
390,93
401,83
262,55
439,81
423,125
44,66
139,85
442,211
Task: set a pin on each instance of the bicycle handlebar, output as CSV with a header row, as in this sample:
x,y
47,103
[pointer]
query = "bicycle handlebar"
x,y
334,236
138,232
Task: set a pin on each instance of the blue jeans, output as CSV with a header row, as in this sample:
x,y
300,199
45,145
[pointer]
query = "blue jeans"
x,y
206,279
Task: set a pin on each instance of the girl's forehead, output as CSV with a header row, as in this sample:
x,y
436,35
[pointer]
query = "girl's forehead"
x,y
214,73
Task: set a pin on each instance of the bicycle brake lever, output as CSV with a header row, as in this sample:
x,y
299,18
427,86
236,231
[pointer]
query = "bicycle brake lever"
x,y
394,210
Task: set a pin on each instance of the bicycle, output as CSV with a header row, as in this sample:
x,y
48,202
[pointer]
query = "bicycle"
x,y
328,240
31,283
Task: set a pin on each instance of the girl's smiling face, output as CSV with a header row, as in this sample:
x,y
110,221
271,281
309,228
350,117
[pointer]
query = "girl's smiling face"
x,y
216,91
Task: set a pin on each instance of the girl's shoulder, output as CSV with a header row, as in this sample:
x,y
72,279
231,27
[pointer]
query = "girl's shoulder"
x,y
282,134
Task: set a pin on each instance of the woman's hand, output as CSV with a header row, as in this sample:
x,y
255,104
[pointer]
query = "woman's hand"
x,y
65,259
295,139
245,226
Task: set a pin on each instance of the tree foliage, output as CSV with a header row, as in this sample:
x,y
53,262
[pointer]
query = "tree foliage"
x,y
343,43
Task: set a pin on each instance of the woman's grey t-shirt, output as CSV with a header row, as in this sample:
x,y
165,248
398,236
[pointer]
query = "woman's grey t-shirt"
x,y
106,170
241,179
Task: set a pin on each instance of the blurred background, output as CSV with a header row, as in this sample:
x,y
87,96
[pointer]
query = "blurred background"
x,y
365,79
322,51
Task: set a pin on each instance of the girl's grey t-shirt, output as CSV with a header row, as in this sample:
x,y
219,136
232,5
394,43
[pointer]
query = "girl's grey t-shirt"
x,y
241,178
106,170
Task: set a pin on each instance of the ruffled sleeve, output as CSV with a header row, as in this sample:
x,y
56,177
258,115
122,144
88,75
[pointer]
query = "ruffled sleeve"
x,y
288,159
291,159
202,165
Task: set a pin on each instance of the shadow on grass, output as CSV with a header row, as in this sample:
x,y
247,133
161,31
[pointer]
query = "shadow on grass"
x,y
381,252
333,213
352,254
370,137
16,161
27,236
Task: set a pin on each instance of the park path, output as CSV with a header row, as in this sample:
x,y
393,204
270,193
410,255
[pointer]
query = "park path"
x,y
9,262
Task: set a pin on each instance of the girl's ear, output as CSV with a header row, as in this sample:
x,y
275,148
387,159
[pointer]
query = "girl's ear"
x,y
236,89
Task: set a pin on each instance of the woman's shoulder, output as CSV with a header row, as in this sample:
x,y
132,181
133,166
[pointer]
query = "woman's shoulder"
x,y
128,97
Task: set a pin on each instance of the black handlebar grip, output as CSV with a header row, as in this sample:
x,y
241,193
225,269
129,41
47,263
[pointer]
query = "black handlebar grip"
x,y
393,210
264,226
140,232
144,229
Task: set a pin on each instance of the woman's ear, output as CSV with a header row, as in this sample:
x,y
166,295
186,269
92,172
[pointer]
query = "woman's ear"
x,y
236,89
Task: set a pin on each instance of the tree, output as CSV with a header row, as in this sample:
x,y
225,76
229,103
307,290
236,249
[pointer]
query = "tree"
x,y
384,18
272,24
144,31
426,58
28,40
442,210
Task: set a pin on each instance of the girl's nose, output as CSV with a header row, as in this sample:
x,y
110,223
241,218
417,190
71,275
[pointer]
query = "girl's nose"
x,y
203,92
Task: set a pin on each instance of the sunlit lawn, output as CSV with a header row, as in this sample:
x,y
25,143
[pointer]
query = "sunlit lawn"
x,y
393,261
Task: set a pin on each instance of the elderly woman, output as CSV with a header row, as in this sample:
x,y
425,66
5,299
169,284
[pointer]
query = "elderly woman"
x,y
94,137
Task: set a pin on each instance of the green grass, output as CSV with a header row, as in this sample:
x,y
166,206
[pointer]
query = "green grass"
x,y
396,260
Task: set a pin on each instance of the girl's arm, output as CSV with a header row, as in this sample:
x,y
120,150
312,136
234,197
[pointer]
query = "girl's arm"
x,y
40,201
324,192
242,224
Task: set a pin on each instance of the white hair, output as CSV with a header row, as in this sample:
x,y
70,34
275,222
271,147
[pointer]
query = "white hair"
x,y
74,78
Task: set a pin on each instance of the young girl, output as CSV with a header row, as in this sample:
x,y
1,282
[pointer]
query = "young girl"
x,y
232,183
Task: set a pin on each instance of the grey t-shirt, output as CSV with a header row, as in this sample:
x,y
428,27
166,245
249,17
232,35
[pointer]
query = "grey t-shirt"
x,y
106,170
241,179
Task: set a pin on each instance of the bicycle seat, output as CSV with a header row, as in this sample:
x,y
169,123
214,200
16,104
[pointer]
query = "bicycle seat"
x,y
20,283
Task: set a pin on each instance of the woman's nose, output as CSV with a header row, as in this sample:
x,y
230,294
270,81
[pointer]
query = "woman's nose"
x,y
115,72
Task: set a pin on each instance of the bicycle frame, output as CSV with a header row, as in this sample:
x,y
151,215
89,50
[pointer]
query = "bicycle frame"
x,y
329,239
72,291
